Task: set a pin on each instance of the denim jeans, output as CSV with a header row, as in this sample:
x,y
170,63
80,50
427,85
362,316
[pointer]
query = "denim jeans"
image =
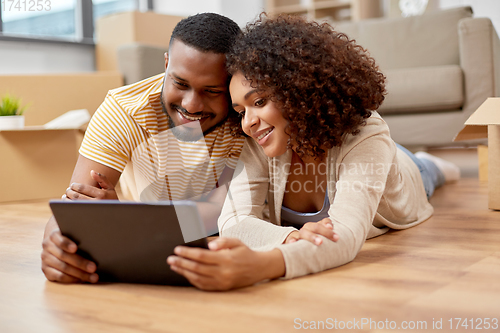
x,y
432,177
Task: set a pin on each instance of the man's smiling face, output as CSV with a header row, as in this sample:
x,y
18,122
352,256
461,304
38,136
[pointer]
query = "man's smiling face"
x,y
195,92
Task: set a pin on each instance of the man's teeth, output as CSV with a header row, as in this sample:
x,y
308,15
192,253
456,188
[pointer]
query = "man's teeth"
x,y
264,134
191,117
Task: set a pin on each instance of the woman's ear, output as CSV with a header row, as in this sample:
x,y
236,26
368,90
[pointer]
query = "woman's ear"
x,y
166,60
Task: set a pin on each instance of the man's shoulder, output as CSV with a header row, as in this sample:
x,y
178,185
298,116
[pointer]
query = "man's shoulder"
x,y
139,92
137,100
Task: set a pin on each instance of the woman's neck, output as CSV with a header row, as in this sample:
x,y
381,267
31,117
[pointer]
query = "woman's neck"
x,y
304,160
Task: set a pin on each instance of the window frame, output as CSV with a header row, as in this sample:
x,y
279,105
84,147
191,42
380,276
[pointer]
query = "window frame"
x,y
84,26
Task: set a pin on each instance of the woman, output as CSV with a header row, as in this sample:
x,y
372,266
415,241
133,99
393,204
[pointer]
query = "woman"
x,y
317,155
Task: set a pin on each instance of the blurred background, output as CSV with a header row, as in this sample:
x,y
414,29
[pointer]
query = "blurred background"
x,y
57,36
441,61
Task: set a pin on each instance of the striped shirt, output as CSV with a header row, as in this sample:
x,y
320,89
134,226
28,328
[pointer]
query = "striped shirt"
x,y
130,129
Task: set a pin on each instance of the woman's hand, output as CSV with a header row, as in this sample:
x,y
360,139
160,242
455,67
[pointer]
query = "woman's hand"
x,y
311,230
228,264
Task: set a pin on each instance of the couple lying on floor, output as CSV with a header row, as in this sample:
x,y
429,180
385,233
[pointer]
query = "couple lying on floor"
x,y
318,172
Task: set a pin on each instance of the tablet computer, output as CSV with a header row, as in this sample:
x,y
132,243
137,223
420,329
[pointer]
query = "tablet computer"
x,y
130,241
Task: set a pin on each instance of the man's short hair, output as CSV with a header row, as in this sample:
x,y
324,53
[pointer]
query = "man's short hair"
x,y
207,32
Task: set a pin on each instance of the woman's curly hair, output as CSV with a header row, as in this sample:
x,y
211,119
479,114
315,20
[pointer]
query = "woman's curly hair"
x,y
325,84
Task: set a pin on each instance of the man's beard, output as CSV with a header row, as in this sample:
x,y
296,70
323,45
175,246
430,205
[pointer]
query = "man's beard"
x,y
182,133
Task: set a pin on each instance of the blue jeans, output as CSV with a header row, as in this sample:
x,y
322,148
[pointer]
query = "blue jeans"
x,y
432,177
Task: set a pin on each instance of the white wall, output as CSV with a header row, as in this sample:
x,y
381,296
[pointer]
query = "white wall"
x,y
241,11
186,7
40,58
481,8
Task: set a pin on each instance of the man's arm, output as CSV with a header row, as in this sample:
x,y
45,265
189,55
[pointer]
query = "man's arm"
x,y
59,259
92,180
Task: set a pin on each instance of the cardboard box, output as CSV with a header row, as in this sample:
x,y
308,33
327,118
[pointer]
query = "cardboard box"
x,y
482,157
485,122
118,29
48,96
37,163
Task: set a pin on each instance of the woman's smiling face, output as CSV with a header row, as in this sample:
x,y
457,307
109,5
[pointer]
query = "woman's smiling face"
x,y
260,118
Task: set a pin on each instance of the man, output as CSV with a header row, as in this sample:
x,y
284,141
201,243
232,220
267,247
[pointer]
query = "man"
x,y
172,129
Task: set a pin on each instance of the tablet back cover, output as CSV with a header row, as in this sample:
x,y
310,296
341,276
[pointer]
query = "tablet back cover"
x,y
129,242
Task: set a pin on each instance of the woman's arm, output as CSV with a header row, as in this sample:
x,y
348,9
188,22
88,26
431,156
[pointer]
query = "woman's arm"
x,y
227,265
361,180
242,215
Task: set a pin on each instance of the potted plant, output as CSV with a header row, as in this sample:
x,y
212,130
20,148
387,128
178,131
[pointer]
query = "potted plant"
x,y
11,113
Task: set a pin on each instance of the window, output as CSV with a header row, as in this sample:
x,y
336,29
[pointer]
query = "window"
x,y
67,20
42,18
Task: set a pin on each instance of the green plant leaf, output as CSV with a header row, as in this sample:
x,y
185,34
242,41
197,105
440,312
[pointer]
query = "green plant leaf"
x,y
11,106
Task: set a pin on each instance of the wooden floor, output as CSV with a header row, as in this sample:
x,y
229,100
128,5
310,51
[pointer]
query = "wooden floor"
x,y
441,270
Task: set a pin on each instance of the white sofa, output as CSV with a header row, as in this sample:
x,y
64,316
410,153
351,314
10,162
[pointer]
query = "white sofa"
x,y
439,66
